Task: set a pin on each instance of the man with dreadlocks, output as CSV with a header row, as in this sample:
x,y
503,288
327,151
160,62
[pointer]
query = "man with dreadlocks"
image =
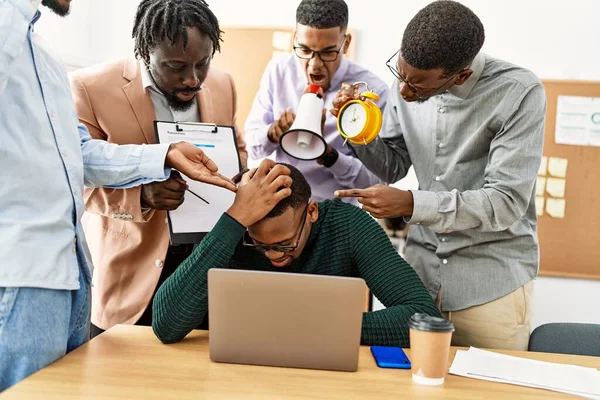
x,y
169,79
321,41
46,158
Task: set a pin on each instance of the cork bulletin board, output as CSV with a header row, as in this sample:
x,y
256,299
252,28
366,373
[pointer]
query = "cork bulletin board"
x,y
568,193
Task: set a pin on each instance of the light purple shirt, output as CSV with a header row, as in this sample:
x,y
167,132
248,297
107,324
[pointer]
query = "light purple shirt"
x,y
281,87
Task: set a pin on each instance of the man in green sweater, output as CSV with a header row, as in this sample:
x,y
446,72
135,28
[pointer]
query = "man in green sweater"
x,y
273,226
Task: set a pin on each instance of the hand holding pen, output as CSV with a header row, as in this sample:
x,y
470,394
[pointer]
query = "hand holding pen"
x,y
166,195
187,188
177,177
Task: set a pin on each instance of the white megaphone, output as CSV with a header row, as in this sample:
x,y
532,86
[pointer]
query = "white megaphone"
x,y
304,140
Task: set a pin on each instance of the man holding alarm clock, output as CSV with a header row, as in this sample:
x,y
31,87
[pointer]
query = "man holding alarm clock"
x,y
472,127
321,41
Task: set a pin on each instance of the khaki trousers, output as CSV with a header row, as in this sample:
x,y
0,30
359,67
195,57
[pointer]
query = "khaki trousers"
x,y
500,324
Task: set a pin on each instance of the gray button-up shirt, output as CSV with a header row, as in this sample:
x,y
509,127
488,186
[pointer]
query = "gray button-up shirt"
x,y
476,150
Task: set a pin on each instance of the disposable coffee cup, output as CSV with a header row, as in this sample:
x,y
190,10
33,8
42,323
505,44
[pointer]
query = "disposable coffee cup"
x,y
429,348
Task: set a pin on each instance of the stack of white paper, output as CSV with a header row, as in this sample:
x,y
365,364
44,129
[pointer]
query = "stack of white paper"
x,y
486,365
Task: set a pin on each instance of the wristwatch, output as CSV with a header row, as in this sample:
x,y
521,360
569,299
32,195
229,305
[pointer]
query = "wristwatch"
x,y
329,158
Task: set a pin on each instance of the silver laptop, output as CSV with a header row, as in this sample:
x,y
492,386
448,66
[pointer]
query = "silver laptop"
x,y
285,319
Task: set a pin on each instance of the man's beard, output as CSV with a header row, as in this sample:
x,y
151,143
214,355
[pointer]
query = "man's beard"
x,y
175,103
56,7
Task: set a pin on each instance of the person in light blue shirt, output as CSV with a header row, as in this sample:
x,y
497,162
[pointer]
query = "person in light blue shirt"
x,y
46,157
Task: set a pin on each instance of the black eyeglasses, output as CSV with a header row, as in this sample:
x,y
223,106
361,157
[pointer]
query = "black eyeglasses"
x,y
324,55
414,90
286,248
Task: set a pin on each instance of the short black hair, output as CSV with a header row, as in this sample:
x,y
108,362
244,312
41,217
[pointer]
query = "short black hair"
x,y
300,193
322,14
445,34
157,20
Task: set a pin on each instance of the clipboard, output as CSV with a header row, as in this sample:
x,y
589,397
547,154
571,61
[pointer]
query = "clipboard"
x,y
204,204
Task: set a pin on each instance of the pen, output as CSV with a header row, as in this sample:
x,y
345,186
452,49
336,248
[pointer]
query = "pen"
x,y
238,177
198,196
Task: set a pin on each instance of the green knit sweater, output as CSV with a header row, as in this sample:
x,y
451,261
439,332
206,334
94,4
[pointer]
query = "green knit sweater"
x,y
344,241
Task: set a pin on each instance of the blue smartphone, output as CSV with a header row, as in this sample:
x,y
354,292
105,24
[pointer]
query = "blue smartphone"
x,y
390,357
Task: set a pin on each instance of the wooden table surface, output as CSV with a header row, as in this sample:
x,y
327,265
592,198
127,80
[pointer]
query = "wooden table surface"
x,y
128,362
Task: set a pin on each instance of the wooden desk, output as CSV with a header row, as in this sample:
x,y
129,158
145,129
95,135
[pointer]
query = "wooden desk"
x,y
128,362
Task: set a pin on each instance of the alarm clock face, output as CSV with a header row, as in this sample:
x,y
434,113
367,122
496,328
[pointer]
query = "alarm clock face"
x,y
353,119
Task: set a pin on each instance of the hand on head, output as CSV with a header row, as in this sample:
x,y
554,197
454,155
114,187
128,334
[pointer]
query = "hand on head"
x,y
259,191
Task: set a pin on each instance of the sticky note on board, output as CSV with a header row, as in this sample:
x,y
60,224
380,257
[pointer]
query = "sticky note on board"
x,y
556,187
556,207
539,205
543,166
558,167
540,186
282,40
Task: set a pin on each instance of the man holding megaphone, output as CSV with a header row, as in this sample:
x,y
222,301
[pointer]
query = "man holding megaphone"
x,y
286,115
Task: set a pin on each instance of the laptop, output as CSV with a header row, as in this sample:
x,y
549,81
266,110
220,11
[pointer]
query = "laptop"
x,y
285,319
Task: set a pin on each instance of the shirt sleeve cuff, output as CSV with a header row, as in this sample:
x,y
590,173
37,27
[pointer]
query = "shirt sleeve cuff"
x,y
343,165
228,230
152,163
425,208
269,146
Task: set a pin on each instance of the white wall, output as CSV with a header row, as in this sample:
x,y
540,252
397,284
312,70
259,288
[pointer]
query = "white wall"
x,y
555,39
566,300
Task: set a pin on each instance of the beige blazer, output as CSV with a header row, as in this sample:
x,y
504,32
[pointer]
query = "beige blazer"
x,y
129,246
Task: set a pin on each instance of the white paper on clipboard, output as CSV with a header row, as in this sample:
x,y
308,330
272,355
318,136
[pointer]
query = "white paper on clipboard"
x,y
195,217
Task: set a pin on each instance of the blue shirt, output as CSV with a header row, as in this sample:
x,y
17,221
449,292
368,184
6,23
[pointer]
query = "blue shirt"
x,y
46,156
281,87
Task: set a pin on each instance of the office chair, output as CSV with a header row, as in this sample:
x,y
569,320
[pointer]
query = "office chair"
x,y
566,338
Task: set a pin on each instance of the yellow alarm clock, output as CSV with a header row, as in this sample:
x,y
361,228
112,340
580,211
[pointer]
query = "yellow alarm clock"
x,y
359,121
